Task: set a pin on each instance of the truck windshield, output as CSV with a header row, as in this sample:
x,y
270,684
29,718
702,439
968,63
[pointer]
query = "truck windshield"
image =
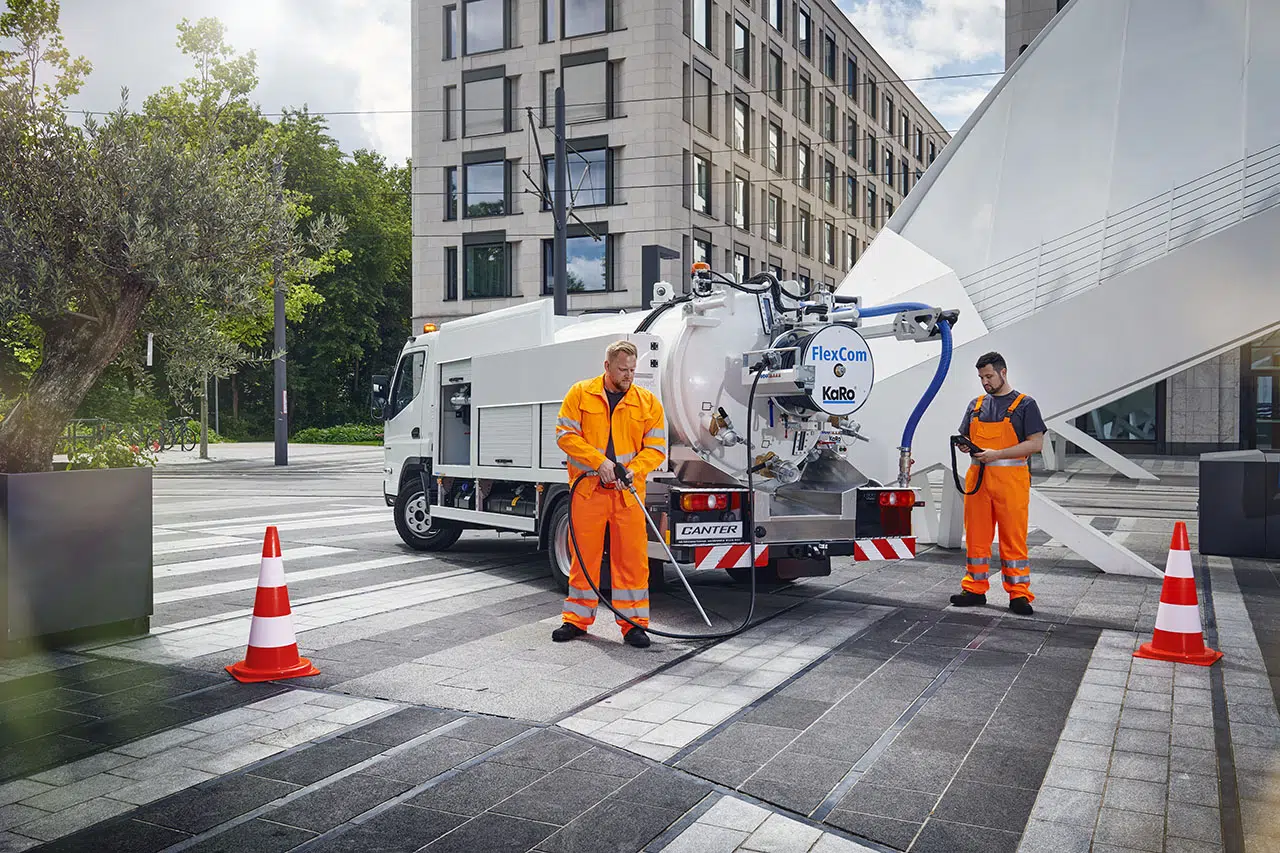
x,y
408,382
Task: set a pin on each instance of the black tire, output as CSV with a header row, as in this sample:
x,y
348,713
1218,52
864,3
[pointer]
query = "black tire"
x,y
559,549
188,437
415,525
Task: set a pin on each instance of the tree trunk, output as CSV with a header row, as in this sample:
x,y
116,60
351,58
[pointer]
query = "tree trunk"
x,y
76,351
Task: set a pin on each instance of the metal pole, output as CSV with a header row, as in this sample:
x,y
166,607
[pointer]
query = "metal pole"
x,y
560,285
204,419
217,420
281,390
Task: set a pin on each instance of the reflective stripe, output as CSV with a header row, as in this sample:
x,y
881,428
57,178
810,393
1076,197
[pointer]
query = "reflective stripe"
x,y
584,465
579,609
624,458
271,574
1017,580
570,424
271,632
656,433
977,576
630,594
582,594
978,561
1178,618
1008,463
655,442
1015,564
635,612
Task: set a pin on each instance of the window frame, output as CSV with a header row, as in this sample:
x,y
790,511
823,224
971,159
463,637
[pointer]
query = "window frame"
x,y
741,111
506,27
485,158
481,240
708,20
572,62
696,182
497,73
579,155
579,232
564,20
742,55
774,152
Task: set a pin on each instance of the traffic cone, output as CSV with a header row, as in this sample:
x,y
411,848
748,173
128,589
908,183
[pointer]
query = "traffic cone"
x,y
273,648
1178,636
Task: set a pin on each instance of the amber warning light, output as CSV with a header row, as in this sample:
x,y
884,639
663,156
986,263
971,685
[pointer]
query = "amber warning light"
x,y
429,327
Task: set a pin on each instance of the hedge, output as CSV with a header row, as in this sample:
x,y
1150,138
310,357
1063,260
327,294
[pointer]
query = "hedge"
x,y
345,434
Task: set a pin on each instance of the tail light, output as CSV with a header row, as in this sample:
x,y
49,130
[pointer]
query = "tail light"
x,y
710,501
901,498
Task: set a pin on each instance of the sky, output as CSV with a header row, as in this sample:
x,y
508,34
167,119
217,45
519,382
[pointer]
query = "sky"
x,y
353,55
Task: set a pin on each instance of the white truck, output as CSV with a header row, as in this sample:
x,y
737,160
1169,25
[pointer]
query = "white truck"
x,y
470,415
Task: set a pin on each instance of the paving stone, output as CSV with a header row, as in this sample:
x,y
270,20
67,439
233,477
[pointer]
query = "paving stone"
x,y
337,803
78,770
1196,737
609,762
159,743
222,722
724,771
939,836
706,838
1139,831
489,730
1086,731
148,790
829,843
128,836
260,836
1135,796
399,829
887,801
73,819
894,833
1042,836
559,797
990,806
199,809
1107,677
1133,765
787,713
779,834
1145,742
614,826
67,796
929,772
732,813
1186,760
663,789
545,749
1144,701
836,742
22,789
11,843
16,814
1196,822
298,735
748,742
316,762
1202,715
1109,694
1193,788
1064,806
1014,766
234,759
1087,756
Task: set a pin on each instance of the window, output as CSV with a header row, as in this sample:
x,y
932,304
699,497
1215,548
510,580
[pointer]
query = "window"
x,y
828,243
851,78
485,23
871,153
871,205
742,49
741,202
702,22
702,100
903,176
829,181
450,104
829,119
450,273
451,192
803,235
802,165
741,265
741,126
850,252
774,13
804,32
805,104
701,185
484,189
888,113
933,152
486,270
805,281
873,96
919,149
588,178
583,17
888,209
888,167
775,218
905,124
549,20
484,106
774,82
851,138
829,56
916,178
850,194
775,267
408,382
586,90
548,88
775,147
450,32
701,251
587,262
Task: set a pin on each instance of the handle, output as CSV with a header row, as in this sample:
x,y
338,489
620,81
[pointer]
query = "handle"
x,y
417,433
503,461
455,378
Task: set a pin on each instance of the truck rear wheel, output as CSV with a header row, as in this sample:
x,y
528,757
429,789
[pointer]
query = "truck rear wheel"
x,y
414,522
560,549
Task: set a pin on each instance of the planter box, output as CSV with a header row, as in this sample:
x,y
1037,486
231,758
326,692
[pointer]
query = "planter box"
x,y
75,556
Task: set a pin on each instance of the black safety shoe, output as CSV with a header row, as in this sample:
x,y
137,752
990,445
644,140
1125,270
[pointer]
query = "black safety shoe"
x,y
566,632
968,599
1020,606
636,637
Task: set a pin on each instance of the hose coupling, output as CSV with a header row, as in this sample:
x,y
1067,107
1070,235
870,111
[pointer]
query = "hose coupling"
x,y
904,466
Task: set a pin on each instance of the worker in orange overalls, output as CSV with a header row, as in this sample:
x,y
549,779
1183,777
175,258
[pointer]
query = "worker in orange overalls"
x,y
1008,428
603,421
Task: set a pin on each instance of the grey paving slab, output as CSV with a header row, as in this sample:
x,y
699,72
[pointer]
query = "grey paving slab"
x,y
1132,829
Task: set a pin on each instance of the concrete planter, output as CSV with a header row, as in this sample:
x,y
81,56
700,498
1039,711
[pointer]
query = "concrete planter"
x,y
75,557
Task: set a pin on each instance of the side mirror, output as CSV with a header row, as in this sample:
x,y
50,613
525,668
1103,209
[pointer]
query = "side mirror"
x,y
381,382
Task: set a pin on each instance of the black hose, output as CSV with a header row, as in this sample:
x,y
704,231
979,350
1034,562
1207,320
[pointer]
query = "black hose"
x,y
657,312
751,533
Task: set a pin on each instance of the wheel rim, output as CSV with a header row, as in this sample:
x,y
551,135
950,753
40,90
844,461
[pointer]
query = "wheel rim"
x,y
560,546
417,516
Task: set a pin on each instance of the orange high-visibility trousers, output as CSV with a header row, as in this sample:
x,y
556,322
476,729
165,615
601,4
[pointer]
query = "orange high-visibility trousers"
x,y
1002,503
593,510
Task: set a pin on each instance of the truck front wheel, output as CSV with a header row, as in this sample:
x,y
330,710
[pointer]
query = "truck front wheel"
x,y
414,522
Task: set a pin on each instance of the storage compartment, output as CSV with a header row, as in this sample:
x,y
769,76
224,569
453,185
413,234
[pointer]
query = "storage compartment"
x,y
512,499
455,414
462,495
551,454
506,436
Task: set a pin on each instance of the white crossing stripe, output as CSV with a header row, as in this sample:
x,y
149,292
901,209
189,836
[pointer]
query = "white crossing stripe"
x,y
207,590
380,517
265,518
252,557
203,543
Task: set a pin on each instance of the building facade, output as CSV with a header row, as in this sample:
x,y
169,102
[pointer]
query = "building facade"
x,y
750,135
1229,402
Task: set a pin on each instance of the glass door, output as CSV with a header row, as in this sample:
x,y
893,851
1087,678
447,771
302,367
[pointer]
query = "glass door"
x,y
1260,394
1134,424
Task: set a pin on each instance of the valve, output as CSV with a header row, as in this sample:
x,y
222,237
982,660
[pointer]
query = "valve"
x,y
771,466
723,430
904,466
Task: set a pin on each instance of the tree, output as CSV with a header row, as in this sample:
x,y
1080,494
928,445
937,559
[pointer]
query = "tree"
x,y
105,228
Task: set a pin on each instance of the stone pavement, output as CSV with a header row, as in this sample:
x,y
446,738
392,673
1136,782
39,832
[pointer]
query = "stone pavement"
x,y
862,713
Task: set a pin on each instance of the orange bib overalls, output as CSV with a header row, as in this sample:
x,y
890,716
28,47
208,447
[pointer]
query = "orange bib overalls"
x,y
1003,501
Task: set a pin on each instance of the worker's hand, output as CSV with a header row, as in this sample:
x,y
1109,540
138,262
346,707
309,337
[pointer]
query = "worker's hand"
x,y
987,456
606,471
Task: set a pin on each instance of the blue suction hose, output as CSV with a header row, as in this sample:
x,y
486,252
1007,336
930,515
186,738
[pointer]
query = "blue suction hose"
x,y
944,365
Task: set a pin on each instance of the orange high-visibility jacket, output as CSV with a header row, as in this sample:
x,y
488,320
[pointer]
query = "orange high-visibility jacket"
x,y
638,425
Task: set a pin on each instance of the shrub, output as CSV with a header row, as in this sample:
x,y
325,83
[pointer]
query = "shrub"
x,y
110,452
345,434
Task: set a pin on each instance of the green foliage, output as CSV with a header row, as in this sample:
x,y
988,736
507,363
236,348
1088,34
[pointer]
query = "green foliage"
x,y
110,452
347,434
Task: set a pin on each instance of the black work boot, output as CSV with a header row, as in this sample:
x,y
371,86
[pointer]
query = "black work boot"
x,y
636,637
968,599
1020,606
566,632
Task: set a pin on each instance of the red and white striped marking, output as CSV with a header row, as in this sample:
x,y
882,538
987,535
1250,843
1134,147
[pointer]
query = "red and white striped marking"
x,y
894,548
729,556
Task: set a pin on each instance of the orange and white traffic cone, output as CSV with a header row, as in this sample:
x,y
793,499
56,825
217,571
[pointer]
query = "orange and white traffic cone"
x,y
273,648
1178,636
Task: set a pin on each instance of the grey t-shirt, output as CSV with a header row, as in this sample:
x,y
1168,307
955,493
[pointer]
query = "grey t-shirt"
x,y
1026,418
615,397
